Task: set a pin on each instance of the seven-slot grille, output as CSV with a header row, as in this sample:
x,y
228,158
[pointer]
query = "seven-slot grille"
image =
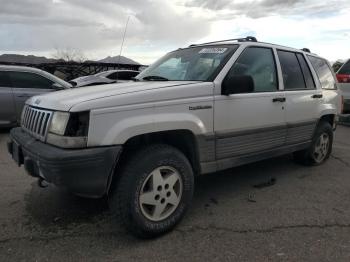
x,y
36,121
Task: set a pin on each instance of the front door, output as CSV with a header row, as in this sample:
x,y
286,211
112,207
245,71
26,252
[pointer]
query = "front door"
x,y
250,123
26,85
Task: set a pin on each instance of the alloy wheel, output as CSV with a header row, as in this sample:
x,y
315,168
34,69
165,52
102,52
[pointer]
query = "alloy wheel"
x,y
321,148
160,193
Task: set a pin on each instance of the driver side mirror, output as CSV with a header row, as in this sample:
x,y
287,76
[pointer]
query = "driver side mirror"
x,y
237,85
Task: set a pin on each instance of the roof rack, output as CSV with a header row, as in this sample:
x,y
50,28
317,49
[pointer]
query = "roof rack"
x,y
306,50
245,39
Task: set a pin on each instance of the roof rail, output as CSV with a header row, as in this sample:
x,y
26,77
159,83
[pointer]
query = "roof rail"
x,y
245,39
306,50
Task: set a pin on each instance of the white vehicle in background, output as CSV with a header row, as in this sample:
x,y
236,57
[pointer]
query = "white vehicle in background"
x,y
343,76
105,77
197,110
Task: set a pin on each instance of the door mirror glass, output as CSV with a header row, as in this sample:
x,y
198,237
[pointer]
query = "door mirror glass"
x,y
238,84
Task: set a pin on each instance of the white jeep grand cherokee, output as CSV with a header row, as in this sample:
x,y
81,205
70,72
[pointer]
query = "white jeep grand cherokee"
x,y
196,110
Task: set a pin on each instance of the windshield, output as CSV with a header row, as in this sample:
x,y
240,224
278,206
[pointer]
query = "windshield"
x,y
200,63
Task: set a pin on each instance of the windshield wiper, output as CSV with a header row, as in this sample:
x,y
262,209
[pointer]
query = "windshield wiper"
x,y
135,79
155,78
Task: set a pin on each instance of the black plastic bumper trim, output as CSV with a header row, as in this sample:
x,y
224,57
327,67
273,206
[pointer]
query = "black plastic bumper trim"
x,y
83,171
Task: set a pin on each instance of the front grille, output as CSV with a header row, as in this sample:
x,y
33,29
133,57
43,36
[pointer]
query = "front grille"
x,y
36,121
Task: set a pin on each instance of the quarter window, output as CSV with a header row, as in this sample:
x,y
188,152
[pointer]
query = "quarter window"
x,y
292,75
259,63
309,81
324,72
29,80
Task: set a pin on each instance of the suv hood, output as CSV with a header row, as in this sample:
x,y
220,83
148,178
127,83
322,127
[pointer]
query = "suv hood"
x,y
66,99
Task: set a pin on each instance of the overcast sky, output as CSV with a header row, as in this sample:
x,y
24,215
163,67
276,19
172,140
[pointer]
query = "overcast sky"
x,y
95,27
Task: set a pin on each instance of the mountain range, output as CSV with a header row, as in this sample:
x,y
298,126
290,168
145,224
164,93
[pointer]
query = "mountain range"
x,y
31,59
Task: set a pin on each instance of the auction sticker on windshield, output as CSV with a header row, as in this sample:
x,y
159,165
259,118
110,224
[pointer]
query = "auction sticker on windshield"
x,y
212,50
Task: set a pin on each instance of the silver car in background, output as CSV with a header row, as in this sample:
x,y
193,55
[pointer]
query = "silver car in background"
x,y
105,77
17,84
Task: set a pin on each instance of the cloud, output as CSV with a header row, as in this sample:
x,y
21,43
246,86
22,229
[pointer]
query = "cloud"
x,y
24,8
90,24
157,26
265,8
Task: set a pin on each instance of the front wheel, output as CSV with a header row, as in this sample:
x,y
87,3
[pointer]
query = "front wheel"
x,y
320,148
154,190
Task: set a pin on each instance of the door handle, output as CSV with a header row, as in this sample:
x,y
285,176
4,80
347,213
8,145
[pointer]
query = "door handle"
x,y
279,99
24,95
317,96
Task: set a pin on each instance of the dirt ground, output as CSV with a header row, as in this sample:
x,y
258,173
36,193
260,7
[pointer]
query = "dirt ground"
x,y
304,216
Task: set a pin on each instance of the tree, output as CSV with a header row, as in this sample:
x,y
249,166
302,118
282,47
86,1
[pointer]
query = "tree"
x,y
337,65
69,55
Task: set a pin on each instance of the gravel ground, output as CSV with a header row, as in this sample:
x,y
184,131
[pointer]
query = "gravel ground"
x,y
304,216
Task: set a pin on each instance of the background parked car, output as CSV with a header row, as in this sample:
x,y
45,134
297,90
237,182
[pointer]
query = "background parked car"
x,y
105,77
17,84
343,76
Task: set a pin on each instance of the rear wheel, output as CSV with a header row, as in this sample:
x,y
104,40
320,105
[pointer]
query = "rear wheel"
x,y
321,146
154,190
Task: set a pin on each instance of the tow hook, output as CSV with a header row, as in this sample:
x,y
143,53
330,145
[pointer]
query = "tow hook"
x,y
42,183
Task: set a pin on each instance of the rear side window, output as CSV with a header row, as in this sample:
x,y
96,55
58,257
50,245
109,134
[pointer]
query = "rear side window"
x,y
29,80
4,80
259,63
293,78
309,81
345,69
324,72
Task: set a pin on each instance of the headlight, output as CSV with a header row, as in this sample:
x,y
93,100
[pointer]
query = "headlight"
x,y
69,130
59,123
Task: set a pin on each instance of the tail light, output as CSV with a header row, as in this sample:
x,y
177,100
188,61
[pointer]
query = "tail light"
x,y
343,78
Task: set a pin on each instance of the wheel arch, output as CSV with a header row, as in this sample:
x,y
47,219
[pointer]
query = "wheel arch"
x,y
329,118
182,139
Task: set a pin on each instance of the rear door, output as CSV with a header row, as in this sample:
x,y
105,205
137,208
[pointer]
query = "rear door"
x,y
7,104
26,85
302,96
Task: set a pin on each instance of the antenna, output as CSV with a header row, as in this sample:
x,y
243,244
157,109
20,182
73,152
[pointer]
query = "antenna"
x,y
121,47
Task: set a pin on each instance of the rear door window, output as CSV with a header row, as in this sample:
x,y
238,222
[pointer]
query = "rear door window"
x,y
29,80
345,69
293,77
5,80
323,71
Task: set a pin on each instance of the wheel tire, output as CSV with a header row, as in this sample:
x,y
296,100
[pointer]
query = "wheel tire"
x,y
309,156
125,200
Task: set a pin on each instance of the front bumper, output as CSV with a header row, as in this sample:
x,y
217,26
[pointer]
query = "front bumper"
x,y
85,172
